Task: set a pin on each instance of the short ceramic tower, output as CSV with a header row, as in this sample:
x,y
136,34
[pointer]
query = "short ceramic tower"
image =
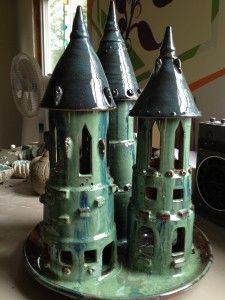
x,y
78,236
161,213
124,87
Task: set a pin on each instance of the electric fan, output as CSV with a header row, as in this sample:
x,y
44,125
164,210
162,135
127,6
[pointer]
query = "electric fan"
x,y
28,87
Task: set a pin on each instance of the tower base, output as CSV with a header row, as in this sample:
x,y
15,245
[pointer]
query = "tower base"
x,y
125,284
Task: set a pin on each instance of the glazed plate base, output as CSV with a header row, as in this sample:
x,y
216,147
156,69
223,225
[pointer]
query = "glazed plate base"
x,y
123,283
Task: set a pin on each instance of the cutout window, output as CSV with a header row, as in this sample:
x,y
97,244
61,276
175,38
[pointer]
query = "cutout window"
x,y
178,241
56,145
151,193
66,258
90,256
178,194
85,152
108,258
46,255
146,240
154,154
107,147
179,145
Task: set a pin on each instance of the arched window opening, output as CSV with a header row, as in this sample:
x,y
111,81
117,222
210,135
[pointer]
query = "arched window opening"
x,y
179,147
45,257
154,153
56,145
107,148
146,241
85,152
178,245
108,260
66,258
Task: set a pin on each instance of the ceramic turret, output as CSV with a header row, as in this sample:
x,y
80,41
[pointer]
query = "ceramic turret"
x,y
78,82
115,60
161,214
74,249
167,94
78,234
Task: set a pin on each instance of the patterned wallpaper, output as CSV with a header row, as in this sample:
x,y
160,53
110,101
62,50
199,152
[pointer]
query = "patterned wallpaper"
x,y
199,31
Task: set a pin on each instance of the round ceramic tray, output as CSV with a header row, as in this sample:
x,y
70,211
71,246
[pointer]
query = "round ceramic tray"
x,y
126,284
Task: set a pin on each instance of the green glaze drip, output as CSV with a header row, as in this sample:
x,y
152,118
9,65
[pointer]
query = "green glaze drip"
x,y
156,243
74,249
75,231
119,71
121,159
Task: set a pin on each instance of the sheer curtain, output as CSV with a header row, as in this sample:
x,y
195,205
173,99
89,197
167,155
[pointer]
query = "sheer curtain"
x,y
57,20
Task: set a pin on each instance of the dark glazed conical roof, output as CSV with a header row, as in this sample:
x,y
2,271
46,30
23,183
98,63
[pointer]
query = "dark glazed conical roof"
x,y
116,62
78,81
167,94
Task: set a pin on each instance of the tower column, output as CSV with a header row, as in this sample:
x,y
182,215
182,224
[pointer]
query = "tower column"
x,y
77,237
160,237
115,60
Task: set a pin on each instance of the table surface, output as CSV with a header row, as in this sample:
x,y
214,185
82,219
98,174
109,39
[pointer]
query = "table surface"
x,y
20,211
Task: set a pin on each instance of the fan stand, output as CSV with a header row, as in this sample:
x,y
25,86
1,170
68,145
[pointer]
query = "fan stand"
x,y
30,131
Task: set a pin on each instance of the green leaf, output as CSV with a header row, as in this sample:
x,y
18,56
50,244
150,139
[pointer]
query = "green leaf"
x,y
103,18
135,59
215,9
189,53
143,76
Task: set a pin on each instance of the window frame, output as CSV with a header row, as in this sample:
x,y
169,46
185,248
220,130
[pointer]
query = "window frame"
x,y
45,28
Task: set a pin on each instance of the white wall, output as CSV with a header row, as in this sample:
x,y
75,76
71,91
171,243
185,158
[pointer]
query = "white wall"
x,y
211,101
25,26
16,35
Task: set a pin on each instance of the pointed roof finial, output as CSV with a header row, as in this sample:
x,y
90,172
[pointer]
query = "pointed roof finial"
x,y
79,28
167,94
78,82
116,62
168,49
111,22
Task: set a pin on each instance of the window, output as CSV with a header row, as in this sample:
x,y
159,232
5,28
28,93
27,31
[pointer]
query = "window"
x,y
179,241
57,21
179,145
85,152
108,258
66,258
45,257
151,193
178,194
155,146
146,241
90,256
56,145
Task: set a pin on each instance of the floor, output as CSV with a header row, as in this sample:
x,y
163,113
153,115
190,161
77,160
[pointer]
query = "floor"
x,y
20,210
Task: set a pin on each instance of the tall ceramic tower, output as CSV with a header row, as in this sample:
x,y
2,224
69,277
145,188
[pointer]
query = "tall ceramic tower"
x,y
161,214
115,60
74,249
78,236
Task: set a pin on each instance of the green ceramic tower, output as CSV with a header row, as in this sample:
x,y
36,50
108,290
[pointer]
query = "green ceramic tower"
x,y
115,60
74,249
161,214
78,242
